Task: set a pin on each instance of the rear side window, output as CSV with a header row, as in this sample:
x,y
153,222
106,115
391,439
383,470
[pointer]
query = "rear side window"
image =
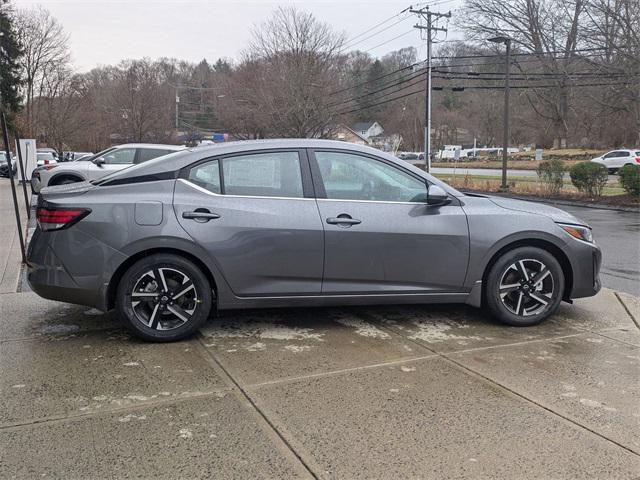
x,y
275,174
120,156
151,153
625,154
207,175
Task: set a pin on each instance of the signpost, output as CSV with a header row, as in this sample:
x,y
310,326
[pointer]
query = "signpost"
x,y
5,137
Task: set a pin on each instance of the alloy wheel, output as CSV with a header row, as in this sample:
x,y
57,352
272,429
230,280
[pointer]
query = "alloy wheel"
x,y
164,298
526,287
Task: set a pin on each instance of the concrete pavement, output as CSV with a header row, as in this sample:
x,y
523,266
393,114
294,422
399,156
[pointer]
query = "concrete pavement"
x,y
10,260
368,392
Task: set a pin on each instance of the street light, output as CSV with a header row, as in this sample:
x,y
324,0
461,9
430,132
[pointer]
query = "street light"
x,y
505,140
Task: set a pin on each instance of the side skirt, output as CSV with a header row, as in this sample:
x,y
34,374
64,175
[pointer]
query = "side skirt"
x,y
340,300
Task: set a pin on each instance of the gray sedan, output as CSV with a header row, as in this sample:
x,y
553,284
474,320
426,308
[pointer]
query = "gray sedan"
x,y
298,222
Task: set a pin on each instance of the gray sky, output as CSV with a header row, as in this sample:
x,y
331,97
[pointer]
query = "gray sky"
x,y
104,32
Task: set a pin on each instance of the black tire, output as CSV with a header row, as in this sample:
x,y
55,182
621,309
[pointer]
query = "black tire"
x,y
612,171
523,305
164,315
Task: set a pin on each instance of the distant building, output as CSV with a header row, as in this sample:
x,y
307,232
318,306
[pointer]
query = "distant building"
x,y
367,133
368,129
346,134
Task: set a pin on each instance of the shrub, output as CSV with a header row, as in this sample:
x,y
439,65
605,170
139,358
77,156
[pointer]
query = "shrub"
x,y
551,174
630,179
589,178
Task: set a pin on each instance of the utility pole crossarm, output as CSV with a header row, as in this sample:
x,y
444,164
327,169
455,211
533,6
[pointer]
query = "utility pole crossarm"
x,y
430,17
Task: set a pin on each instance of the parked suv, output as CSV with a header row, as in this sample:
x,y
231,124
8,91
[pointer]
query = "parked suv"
x,y
616,159
276,223
97,166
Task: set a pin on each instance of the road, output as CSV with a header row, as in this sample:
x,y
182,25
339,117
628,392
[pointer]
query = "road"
x,y
496,172
618,235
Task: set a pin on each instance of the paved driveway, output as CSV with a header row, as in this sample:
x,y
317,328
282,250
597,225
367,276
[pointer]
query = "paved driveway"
x,y
384,392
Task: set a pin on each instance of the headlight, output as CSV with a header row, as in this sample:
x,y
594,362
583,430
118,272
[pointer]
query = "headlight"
x,y
579,232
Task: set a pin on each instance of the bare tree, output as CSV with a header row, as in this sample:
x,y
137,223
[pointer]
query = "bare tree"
x,y
45,48
549,29
287,73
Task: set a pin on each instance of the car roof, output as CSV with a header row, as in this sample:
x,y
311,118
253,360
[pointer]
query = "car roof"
x,y
176,161
151,145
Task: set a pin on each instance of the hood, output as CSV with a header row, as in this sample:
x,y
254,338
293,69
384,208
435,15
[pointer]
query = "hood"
x,y
554,213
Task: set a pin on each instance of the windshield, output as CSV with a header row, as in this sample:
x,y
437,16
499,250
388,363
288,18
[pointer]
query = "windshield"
x,y
93,157
46,156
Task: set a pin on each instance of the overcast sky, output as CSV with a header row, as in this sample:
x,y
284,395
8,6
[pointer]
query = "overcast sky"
x,y
104,32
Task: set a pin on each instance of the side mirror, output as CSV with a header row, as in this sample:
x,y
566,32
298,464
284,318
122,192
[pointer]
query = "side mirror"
x,y
437,196
99,161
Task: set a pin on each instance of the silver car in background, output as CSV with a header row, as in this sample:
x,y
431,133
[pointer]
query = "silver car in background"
x,y
93,167
298,222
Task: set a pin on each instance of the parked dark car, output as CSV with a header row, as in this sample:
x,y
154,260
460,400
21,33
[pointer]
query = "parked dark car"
x,y
298,222
4,165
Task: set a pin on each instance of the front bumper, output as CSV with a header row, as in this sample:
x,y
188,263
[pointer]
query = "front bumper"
x,y
36,183
586,260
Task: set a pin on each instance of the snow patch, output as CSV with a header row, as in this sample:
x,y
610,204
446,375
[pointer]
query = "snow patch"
x,y
263,330
363,328
131,416
431,332
131,364
185,433
404,368
297,348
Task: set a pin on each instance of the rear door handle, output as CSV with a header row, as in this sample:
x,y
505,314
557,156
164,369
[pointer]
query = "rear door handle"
x,y
343,220
200,215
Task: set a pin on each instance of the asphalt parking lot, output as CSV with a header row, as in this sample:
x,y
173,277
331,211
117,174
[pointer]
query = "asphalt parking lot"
x,y
376,392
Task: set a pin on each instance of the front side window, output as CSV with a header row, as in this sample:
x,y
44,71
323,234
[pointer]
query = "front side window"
x,y
275,174
349,176
207,175
120,156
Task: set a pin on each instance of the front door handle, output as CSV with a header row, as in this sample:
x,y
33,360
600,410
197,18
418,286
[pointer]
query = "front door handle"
x,y
200,215
343,220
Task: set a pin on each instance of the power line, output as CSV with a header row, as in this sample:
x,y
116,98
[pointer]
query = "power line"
x,y
349,45
388,41
375,79
460,89
375,26
382,89
537,54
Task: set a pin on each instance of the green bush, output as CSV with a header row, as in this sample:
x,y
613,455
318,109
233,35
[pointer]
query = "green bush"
x,y
629,178
551,174
589,178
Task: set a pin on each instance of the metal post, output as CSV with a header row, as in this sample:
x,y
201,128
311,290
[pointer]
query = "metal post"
x,y
5,135
24,177
505,139
427,119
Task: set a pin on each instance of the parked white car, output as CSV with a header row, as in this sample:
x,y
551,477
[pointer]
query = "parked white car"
x,y
45,158
616,159
96,166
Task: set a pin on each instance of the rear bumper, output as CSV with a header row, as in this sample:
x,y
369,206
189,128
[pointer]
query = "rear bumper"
x,y
50,278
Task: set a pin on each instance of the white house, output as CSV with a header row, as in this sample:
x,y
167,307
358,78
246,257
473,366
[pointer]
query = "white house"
x,y
368,129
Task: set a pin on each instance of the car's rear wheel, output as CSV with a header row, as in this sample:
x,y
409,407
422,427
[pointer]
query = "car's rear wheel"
x,y
164,297
524,286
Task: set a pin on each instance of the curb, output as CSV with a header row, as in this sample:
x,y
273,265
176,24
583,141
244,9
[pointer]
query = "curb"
x,y
553,201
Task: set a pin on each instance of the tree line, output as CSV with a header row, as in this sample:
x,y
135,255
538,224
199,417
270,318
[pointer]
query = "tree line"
x,y
575,77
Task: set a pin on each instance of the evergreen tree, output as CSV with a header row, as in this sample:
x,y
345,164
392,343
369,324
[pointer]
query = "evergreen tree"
x,y
10,72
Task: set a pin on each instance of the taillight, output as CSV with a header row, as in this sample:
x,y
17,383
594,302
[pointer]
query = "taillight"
x,y
49,166
46,162
637,159
59,218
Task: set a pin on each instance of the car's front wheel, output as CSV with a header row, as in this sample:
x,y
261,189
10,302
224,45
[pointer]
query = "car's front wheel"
x,y
524,286
164,297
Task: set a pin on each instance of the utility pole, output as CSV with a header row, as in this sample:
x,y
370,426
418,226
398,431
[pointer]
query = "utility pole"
x,y
505,139
429,16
